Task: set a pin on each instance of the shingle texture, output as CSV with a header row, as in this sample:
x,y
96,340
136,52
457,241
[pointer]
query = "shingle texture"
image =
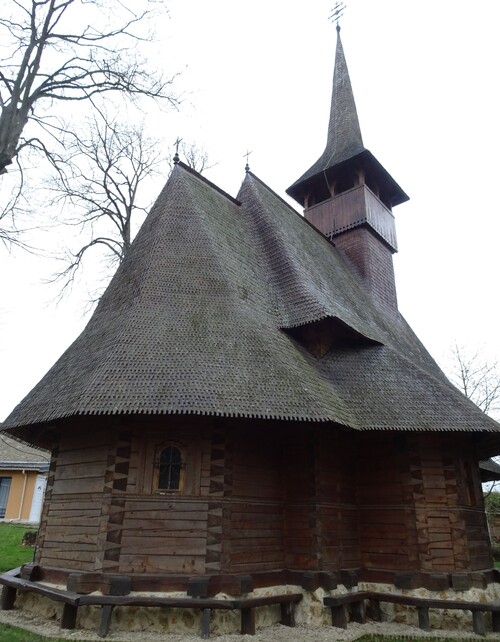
x,y
14,454
344,133
194,321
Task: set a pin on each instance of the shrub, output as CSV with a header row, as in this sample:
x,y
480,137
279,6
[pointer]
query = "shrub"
x,y
29,538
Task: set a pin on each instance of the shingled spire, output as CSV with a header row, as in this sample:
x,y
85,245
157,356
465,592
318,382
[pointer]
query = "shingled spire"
x,y
344,133
349,196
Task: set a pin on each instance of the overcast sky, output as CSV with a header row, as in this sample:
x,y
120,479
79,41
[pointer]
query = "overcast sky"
x,y
257,75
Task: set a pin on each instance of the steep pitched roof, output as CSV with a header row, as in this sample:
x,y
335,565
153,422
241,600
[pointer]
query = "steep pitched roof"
x,y
196,320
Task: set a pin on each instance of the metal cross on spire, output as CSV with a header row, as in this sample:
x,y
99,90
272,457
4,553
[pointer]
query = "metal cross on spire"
x,y
337,13
176,155
247,166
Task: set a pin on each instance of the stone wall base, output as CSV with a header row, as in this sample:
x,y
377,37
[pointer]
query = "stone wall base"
x,y
309,612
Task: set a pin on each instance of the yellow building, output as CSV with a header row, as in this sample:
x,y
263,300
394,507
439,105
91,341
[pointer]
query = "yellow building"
x,y
23,476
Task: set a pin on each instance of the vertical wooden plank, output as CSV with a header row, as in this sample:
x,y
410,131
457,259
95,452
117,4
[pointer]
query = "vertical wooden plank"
x,y
301,541
68,616
478,623
287,614
116,483
423,618
358,612
247,621
107,610
46,506
218,548
375,611
8,598
339,616
215,521
495,621
205,624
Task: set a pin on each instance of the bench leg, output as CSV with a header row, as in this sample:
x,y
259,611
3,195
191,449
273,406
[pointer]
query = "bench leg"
x,y
248,621
358,612
287,614
339,616
107,610
375,611
495,621
68,617
205,623
423,618
8,598
478,623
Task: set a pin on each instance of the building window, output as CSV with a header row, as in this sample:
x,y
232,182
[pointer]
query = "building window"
x,y
169,468
4,494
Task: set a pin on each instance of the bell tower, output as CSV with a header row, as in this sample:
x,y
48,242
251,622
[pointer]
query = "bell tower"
x,y
348,196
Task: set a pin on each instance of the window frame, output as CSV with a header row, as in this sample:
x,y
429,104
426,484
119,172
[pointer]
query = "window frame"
x,y
6,482
160,448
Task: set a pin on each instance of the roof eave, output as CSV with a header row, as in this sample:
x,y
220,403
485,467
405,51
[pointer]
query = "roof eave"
x,y
364,158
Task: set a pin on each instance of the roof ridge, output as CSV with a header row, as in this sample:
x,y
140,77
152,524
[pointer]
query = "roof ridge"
x,y
192,171
301,216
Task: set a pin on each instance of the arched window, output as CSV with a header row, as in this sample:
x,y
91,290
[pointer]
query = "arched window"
x,y
170,467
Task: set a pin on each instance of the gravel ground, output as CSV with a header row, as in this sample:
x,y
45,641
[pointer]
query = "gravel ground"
x,y
275,633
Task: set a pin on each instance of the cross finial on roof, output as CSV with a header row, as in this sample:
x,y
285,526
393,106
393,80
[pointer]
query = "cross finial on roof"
x,y
176,155
337,13
247,166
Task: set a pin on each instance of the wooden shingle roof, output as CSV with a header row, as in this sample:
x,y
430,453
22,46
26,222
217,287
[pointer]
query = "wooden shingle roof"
x,y
196,320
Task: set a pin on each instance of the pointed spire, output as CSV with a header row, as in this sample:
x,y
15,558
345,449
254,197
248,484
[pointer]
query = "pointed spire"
x,y
344,133
344,151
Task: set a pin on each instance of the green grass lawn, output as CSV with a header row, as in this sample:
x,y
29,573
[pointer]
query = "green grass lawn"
x,y
13,634
12,553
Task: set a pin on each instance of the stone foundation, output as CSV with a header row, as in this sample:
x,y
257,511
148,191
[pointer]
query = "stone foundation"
x,y
309,612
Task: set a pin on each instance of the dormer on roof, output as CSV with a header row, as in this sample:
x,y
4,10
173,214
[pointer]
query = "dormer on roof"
x,y
348,195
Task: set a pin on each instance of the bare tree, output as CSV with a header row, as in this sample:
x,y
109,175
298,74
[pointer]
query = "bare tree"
x,y
478,378
10,234
194,156
47,60
100,188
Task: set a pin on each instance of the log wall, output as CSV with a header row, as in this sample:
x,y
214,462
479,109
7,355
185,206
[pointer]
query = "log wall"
x,y
262,496
256,524
336,499
301,535
386,507
71,518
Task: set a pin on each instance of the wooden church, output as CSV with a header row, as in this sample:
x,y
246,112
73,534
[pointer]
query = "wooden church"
x,y
248,409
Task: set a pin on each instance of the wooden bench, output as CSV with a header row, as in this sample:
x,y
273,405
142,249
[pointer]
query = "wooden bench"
x,y
72,601
246,606
356,604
